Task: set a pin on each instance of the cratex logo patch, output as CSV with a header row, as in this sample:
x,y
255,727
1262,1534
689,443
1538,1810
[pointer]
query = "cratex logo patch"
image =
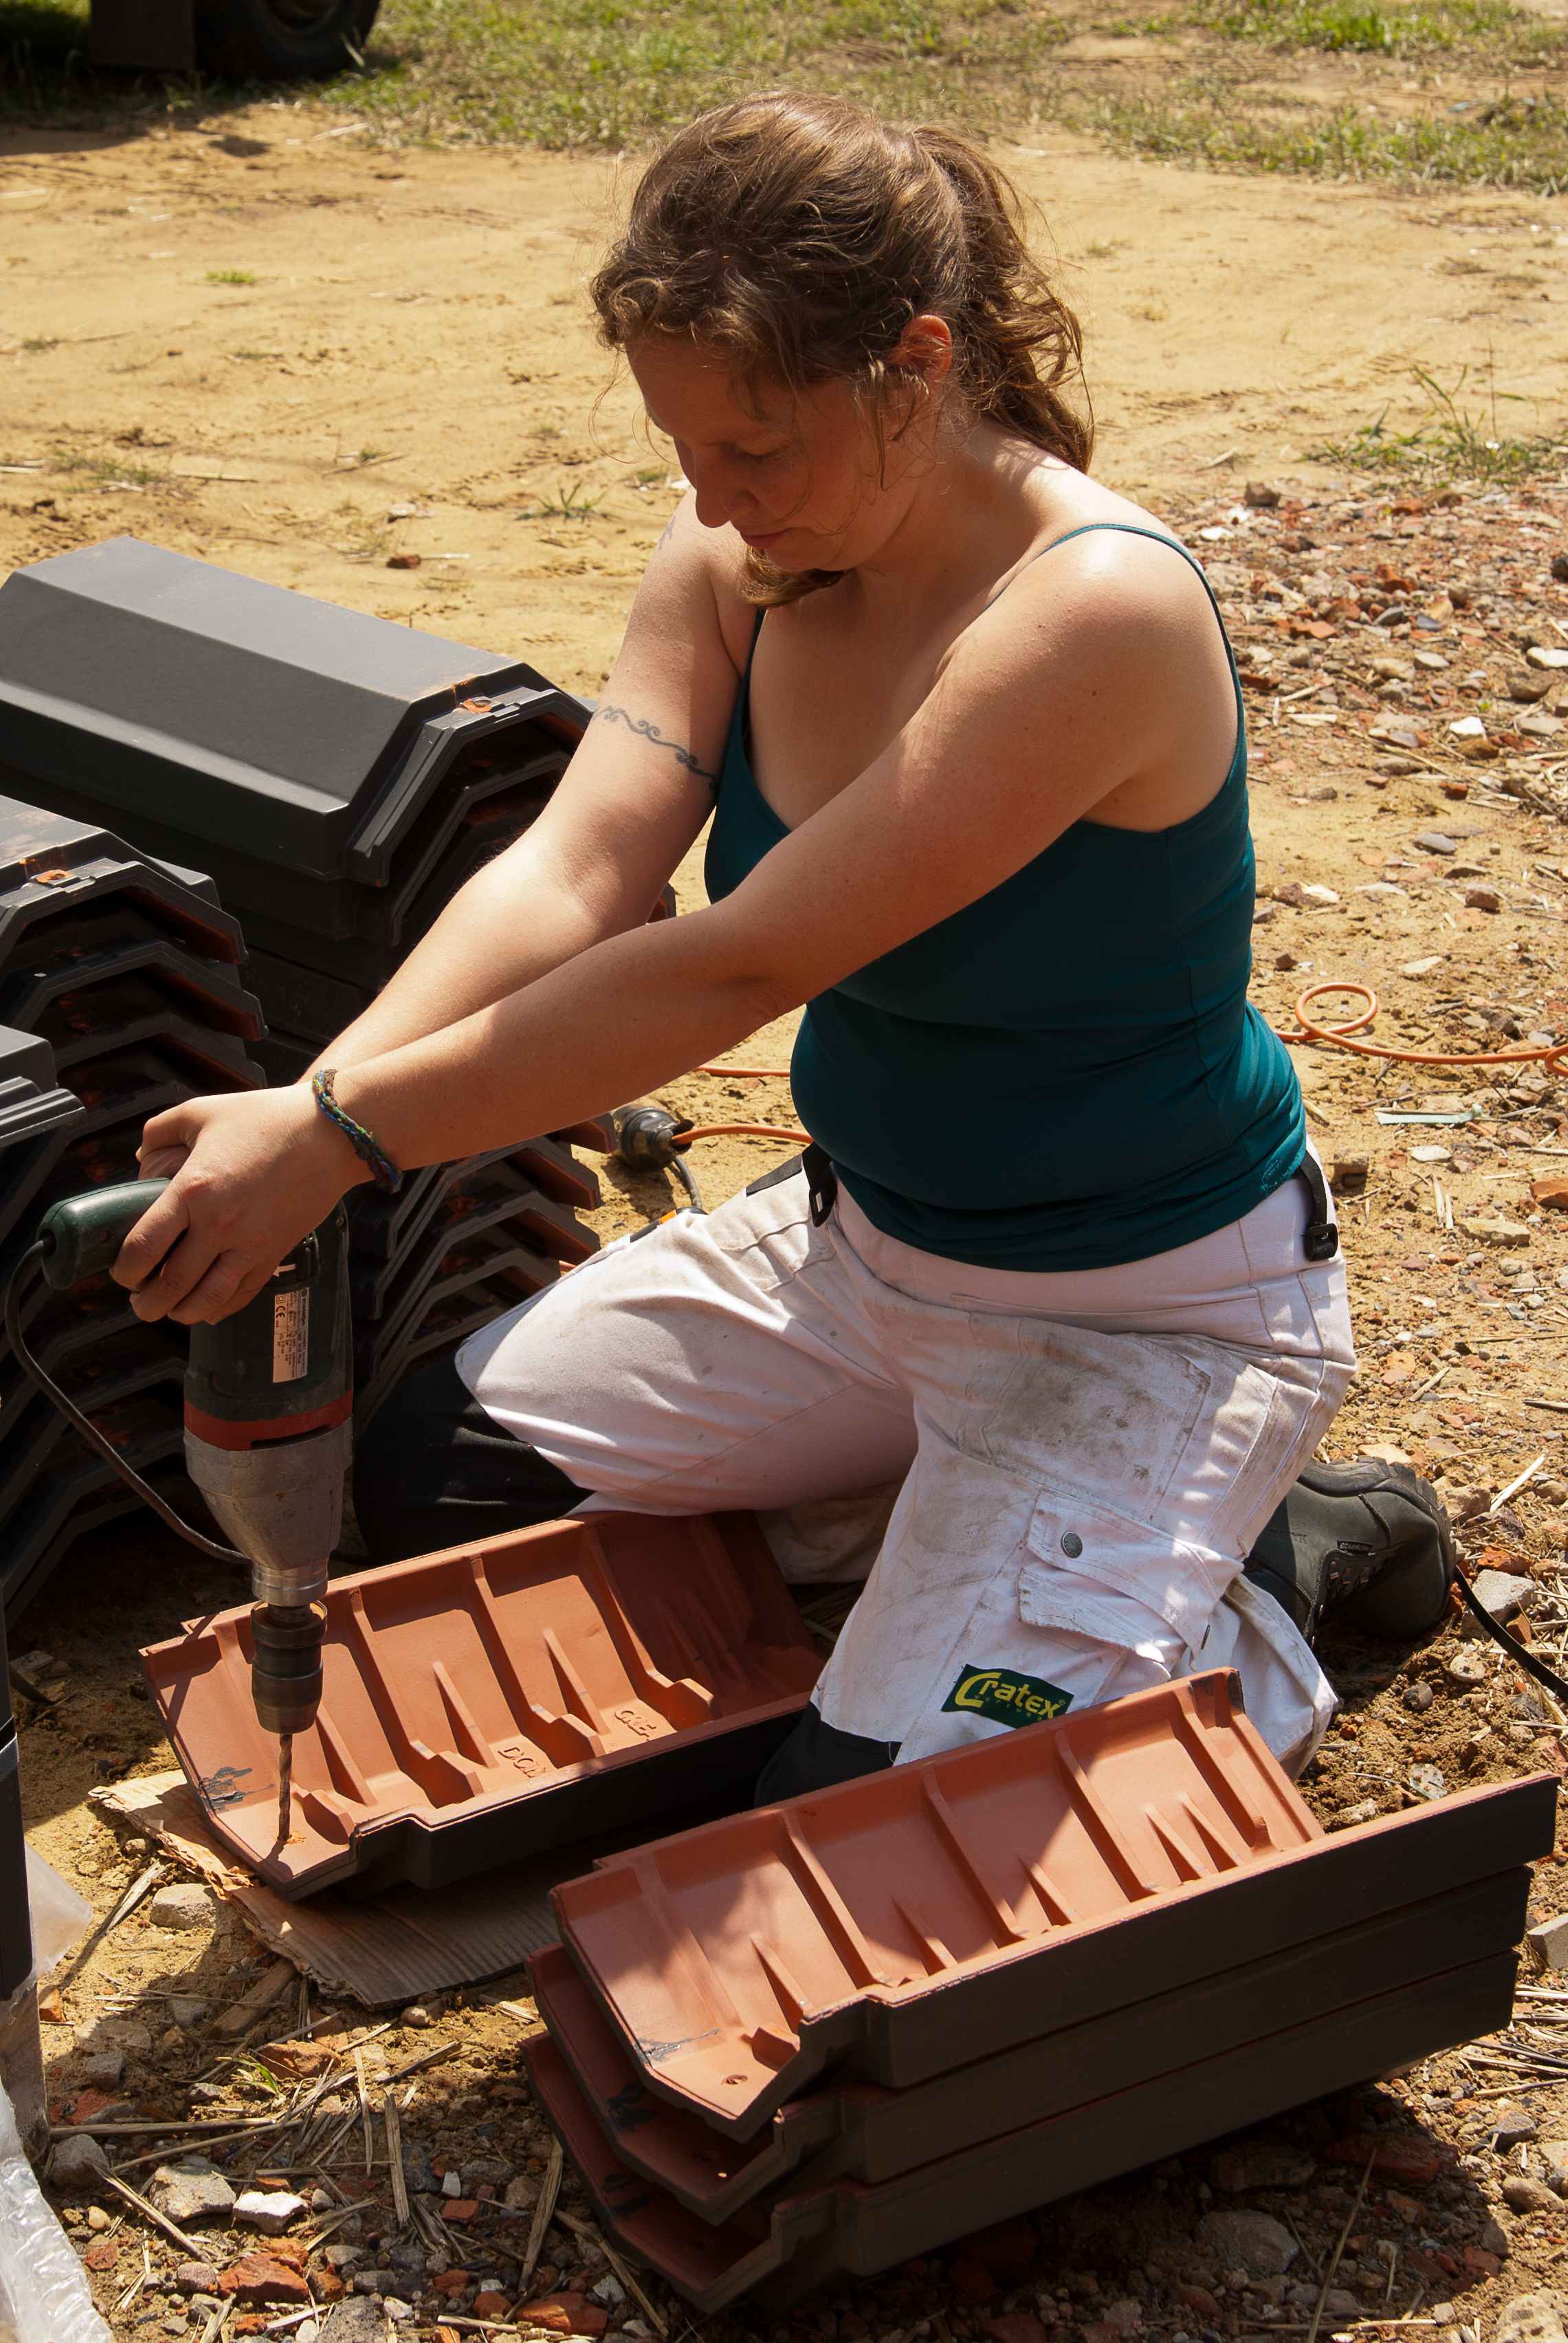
x,y
1005,1697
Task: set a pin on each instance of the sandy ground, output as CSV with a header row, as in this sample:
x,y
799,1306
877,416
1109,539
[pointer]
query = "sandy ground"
x,y
415,337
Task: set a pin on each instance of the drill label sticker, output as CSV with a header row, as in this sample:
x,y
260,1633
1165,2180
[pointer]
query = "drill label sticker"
x,y
290,1335
1006,1697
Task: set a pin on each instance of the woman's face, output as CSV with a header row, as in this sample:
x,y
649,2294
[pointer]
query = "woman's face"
x,y
798,480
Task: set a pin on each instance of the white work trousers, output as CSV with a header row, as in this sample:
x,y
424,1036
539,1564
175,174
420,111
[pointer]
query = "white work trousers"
x,y
1081,1460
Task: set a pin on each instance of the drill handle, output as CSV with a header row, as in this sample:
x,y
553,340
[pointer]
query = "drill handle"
x,y
81,1235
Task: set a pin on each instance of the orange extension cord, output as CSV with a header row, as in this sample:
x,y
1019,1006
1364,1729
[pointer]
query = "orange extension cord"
x,y
1340,1035
743,1130
739,1130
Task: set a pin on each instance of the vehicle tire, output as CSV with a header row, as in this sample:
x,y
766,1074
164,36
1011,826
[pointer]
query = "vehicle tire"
x,y
282,40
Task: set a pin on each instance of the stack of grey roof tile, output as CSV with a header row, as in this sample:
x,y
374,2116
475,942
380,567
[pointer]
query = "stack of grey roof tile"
x,y
457,1246
120,994
340,778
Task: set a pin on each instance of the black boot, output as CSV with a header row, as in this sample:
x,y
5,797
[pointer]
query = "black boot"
x,y
1368,1541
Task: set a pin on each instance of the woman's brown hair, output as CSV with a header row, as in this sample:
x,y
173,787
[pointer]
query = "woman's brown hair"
x,y
797,236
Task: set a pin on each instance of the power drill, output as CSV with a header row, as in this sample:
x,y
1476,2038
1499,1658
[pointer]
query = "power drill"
x,y
269,1393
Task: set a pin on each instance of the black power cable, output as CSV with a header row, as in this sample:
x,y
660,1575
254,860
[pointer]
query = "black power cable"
x,y
83,1426
1510,1643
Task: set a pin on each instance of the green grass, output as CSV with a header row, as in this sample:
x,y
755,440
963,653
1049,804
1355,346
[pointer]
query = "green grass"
x,y
232,277
1515,143
1451,444
622,72
586,73
86,473
570,502
572,72
1417,28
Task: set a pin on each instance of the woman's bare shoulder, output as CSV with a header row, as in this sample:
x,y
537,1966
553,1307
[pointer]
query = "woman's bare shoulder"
x,y
1114,560
703,569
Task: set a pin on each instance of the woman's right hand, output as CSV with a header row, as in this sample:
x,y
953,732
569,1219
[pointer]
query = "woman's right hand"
x,y
249,1176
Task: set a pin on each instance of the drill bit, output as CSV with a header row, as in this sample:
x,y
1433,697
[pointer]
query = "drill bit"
x,y
285,1783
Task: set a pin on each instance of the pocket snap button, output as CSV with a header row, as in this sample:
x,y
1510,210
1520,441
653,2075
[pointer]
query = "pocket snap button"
x,y
1072,1544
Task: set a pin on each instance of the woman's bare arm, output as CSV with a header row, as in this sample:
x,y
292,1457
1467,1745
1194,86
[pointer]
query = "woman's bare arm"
x,y
1032,724
637,793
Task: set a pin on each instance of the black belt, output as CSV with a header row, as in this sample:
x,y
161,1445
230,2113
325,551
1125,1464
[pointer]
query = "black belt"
x,y
1320,1237
818,1166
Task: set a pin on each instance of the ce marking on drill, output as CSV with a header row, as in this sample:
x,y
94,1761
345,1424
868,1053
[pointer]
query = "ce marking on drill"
x,y
223,1788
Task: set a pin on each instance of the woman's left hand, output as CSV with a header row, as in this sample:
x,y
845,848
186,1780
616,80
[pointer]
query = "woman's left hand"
x,y
252,1175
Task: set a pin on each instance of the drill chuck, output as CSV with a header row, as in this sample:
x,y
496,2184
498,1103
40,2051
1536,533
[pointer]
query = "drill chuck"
x,y
285,1665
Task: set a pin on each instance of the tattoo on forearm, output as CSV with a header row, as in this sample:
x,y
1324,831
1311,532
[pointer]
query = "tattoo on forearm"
x,y
605,714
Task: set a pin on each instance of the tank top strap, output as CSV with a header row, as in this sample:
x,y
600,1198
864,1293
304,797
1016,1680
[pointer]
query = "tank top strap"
x,y
1159,537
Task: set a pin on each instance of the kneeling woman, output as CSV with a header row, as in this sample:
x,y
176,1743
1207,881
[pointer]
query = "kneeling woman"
x,y
1060,1264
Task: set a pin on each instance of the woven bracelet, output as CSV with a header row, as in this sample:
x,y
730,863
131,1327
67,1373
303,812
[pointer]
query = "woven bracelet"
x,y
362,1141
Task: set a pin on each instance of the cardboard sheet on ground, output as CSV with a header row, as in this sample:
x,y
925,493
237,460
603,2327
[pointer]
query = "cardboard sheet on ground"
x,y
391,1947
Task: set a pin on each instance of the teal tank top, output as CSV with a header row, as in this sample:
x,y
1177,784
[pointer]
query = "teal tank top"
x,y
1067,1073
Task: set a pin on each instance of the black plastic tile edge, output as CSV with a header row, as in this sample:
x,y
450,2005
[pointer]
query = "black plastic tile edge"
x,y
850,2229
865,2132
629,1785
1138,2128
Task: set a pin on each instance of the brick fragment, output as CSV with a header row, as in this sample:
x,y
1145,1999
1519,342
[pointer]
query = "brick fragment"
x,y
258,2278
563,2313
1409,2159
490,2305
1198,2299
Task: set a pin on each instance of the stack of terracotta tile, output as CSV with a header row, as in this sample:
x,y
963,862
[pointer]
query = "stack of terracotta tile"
x,y
501,1700
818,2038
